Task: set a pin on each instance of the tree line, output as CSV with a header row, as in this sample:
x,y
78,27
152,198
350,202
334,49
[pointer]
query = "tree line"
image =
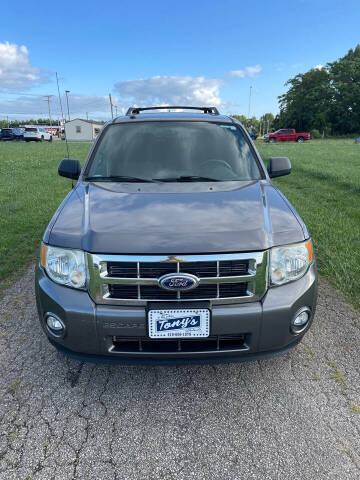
x,y
325,99
260,125
31,121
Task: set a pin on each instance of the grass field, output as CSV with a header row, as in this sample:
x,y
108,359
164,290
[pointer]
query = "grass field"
x,y
30,192
324,187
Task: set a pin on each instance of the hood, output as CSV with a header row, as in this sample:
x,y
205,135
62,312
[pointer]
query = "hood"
x,y
174,218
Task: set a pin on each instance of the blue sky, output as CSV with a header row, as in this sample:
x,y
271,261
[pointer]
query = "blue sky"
x,y
144,52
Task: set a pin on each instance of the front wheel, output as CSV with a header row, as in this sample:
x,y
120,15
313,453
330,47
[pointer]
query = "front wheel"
x,y
300,140
272,140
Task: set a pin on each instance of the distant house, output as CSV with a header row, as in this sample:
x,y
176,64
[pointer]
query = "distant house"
x,y
81,130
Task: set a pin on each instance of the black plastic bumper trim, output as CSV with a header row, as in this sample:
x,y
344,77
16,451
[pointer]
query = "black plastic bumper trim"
x,y
199,360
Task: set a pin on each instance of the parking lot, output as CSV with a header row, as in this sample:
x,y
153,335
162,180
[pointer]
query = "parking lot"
x,y
291,417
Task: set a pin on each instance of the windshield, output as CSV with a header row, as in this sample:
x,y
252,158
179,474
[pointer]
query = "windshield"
x,y
173,151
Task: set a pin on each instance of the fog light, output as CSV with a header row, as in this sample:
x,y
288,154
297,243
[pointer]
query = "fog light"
x,y
55,325
300,321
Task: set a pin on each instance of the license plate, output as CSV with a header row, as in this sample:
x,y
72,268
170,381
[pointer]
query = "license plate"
x,y
186,323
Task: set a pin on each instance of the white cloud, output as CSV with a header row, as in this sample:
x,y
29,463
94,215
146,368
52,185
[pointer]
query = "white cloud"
x,y
171,90
246,72
16,71
319,67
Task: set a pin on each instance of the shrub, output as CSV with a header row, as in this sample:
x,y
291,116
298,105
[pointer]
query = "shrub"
x,y
315,133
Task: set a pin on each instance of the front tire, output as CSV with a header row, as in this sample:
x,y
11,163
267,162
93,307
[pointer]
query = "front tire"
x,y
42,138
272,140
300,140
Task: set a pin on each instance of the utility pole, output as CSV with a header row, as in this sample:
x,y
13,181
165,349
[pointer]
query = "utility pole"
x,y
62,113
48,100
111,106
67,102
249,101
87,116
7,119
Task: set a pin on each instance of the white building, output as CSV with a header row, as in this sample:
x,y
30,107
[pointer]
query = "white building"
x,y
82,130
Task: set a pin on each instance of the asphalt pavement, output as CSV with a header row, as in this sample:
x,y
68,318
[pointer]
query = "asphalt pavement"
x,y
292,417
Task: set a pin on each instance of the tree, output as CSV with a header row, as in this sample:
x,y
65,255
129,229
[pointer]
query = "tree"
x,y
251,124
326,99
345,85
267,122
306,104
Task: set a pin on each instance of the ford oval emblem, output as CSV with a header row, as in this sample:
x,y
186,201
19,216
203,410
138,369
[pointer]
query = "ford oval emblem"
x,y
178,282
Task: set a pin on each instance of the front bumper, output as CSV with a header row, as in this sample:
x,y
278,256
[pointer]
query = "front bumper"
x,y
91,328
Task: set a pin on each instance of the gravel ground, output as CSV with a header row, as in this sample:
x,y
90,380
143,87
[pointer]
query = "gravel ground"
x,y
292,417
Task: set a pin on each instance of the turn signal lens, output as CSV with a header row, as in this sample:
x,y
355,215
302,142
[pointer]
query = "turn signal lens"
x,y
44,249
309,247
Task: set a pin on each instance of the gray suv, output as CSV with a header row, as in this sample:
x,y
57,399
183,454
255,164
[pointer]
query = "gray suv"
x,y
175,246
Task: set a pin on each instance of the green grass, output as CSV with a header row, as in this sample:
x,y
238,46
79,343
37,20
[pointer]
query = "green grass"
x,y
324,187
30,192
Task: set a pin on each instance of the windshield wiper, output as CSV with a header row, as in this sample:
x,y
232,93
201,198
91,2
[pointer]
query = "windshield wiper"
x,y
118,178
187,178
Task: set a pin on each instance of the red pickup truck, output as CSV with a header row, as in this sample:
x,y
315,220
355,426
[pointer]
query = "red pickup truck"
x,y
286,135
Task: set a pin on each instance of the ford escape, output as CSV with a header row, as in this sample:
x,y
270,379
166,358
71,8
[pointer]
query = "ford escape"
x,y
175,246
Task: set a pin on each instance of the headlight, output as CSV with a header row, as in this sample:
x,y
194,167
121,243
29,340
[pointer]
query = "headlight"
x,y
64,266
290,262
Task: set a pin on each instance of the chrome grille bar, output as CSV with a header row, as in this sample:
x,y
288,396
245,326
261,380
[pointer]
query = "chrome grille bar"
x,y
256,276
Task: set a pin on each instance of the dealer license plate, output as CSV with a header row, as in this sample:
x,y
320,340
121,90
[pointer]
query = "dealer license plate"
x,y
186,323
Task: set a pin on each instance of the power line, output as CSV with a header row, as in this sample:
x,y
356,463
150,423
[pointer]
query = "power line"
x,y
111,106
67,102
249,101
48,101
22,113
57,82
19,93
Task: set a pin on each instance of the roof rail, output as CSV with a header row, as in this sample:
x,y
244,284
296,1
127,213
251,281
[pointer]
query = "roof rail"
x,y
136,110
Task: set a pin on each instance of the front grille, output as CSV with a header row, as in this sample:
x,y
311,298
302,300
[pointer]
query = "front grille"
x,y
128,279
123,291
122,269
200,269
233,267
213,343
154,292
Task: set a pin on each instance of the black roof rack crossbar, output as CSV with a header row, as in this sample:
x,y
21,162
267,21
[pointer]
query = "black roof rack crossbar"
x,y
136,110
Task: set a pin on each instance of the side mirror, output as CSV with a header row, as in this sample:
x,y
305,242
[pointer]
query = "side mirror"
x,y
69,168
278,166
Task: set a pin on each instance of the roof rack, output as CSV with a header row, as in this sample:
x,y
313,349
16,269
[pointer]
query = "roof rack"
x,y
136,110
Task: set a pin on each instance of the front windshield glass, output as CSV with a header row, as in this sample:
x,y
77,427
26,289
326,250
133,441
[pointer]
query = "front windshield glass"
x,y
174,151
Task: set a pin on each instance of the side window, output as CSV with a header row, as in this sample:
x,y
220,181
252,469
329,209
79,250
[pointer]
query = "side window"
x,y
78,128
